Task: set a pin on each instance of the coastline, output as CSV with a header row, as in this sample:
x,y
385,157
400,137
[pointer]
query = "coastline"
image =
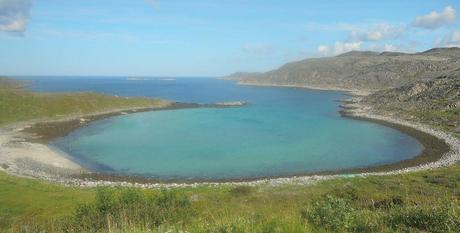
x,y
25,149
72,174
46,131
434,147
354,92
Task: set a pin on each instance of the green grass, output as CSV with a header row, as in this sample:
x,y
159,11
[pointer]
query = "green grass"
x,y
22,199
446,120
17,104
422,201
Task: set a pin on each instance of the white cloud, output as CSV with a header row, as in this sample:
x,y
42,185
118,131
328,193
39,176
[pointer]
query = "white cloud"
x,y
371,36
324,50
14,15
338,48
408,48
451,40
377,32
455,37
436,19
391,48
343,47
383,47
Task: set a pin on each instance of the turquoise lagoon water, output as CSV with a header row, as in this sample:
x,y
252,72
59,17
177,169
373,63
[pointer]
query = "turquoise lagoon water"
x,y
283,131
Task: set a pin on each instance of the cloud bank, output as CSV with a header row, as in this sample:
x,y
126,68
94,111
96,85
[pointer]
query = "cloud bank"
x,y
377,32
370,37
451,40
14,15
338,48
436,19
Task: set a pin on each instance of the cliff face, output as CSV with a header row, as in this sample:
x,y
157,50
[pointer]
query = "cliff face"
x,y
361,70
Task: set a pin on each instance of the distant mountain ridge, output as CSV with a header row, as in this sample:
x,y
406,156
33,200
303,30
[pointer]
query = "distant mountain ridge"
x,y
363,70
240,75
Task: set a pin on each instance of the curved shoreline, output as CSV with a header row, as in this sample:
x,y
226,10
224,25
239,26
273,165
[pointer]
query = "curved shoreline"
x,y
434,147
352,109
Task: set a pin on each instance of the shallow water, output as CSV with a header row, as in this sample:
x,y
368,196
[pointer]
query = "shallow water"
x,y
283,131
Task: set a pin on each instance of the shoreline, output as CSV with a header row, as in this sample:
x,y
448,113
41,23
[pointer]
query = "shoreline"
x,y
351,108
355,92
47,131
434,147
25,152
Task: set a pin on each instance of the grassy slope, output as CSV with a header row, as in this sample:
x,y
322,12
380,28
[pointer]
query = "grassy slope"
x,y
228,209
21,199
21,105
446,120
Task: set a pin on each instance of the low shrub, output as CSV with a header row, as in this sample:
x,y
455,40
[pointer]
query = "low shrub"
x,y
332,213
388,203
432,218
336,214
125,208
241,190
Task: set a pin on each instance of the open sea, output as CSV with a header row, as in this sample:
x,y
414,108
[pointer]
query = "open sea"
x,y
283,131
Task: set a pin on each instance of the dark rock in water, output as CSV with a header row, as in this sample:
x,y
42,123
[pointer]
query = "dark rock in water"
x,y
232,103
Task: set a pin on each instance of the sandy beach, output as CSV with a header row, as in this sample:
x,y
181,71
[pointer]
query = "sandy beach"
x,y
21,157
24,152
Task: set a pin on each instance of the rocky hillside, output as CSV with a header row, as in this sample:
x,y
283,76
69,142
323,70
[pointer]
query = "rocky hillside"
x,y
436,94
434,101
361,70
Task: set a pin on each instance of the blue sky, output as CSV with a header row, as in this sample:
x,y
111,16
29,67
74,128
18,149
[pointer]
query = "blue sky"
x,y
208,37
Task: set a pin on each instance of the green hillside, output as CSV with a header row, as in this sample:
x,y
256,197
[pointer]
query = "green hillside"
x,y
18,104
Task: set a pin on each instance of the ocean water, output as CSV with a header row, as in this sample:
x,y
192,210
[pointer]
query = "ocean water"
x,y
283,131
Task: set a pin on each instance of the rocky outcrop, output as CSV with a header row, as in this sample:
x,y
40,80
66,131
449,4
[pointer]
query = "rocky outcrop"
x,y
436,94
434,101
